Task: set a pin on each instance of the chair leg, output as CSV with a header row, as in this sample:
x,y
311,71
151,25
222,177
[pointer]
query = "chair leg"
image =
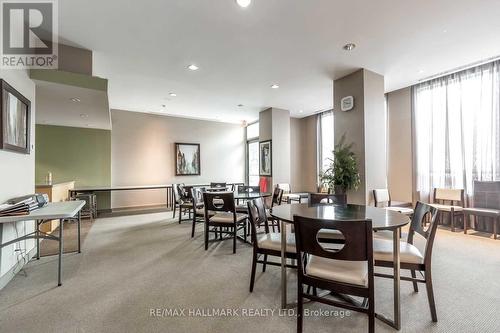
x,y
465,218
371,315
415,285
234,238
452,220
300,308
180,215
264,264
173,216
430,295
495,222
194,225
206,236
254,266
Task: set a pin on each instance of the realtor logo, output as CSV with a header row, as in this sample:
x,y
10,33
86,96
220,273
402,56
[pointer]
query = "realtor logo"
x,y
29,34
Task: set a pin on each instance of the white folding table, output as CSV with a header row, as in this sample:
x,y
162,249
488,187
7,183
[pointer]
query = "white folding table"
x,y
52,211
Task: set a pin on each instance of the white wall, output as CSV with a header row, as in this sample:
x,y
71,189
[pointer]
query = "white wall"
x,y
399,145
375,134
17,177
142,152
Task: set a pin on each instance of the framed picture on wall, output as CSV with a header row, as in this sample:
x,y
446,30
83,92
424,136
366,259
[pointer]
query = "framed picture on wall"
x,y
15,124
187,159
265,158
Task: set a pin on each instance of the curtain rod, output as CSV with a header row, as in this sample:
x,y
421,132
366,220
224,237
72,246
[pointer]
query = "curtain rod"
x,y
459,69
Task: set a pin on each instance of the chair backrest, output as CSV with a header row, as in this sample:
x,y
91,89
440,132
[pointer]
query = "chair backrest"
x,y
285,187
197,195
219,202
382,196
248,189
420,213
449,194
327,199
358,244
277,196
487,194
177,193
257,216
218,185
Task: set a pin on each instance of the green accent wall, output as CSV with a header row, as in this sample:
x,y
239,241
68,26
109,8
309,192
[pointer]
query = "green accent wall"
x,y
73,153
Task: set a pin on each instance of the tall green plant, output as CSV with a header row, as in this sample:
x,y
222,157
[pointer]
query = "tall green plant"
x,y
342,174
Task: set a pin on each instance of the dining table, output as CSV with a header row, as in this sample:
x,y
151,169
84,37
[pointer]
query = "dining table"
x,y
382,219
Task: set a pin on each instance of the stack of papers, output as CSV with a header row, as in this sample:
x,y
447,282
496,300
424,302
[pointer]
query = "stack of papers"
x,y
20,206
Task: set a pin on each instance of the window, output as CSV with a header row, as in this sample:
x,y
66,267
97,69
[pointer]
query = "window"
x,y
457,129
253,154
325,140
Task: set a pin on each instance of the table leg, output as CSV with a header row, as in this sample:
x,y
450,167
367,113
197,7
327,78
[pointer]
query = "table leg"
x,y
396,322
283,265
37,240
59,283
79,232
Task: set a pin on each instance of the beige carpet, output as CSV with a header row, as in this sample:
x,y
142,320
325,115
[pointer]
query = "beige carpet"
x,y
70,236
133,264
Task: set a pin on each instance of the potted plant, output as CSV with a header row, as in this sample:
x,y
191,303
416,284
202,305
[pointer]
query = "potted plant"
x,y
342,174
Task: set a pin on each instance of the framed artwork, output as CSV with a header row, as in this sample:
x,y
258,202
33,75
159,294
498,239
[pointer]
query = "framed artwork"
x,y
187,159
265,158
15,123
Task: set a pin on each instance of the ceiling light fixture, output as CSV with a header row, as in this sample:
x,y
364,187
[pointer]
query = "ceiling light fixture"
x,y
349,46
75,99
243,3
275,86
173,94
193,67
301,111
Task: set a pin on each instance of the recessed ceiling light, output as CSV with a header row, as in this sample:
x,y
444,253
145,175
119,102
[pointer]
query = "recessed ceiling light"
x,y
349,46
301,111
275,86
193,67
75,99
173,95
244,3
421,71
83,115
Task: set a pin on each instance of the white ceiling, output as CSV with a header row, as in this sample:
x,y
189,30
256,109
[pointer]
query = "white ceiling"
x,y
144,47
55,107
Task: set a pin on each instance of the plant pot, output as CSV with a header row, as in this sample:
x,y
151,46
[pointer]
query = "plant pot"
x,y
339,189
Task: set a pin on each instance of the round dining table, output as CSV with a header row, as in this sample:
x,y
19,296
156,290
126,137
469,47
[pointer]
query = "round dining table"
x,y
382,219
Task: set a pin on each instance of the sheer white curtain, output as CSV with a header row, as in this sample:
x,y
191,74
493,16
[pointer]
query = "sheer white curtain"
x,y
457,129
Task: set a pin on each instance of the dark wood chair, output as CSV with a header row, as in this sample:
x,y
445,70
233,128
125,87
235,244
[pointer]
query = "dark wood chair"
x,y
242,189
181,202
198,207
486,206
225,220
382,198
410,257
327,199
451,202
275,201
222,187
267,244
348,271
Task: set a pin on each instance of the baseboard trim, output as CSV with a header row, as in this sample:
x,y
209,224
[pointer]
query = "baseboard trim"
x,y
7,277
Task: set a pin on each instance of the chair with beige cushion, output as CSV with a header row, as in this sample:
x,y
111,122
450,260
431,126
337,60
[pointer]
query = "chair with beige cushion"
x,y
410,256
486,205
198,207
267,244
382,199
288,196
348,271
450,202
316,199
225,220
182,201
276,201
242,189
